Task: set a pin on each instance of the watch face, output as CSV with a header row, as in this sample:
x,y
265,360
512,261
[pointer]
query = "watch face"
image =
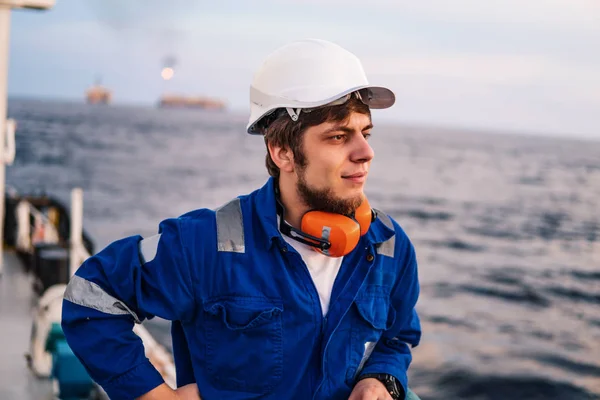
x,y
390,382
392,385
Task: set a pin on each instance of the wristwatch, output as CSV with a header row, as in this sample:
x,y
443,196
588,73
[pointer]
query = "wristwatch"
x,y
390,382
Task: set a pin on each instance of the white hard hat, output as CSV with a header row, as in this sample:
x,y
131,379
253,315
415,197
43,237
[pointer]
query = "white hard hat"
x,y
310,73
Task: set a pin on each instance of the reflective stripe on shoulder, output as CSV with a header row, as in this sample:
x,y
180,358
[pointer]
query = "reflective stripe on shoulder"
x,y
88,294
386,248
230,227
148,248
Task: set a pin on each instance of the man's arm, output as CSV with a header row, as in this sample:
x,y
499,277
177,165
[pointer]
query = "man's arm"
x,y
129,281
392,353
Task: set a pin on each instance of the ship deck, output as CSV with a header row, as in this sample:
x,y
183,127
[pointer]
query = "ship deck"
x,y
17,300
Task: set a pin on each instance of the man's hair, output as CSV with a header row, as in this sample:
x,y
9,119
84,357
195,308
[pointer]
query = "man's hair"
x,y
280,130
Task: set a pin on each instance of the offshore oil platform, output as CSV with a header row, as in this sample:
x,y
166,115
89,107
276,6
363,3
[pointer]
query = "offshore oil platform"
x,y
99,94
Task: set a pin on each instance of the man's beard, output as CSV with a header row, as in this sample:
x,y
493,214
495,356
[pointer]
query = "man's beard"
x,y
324,199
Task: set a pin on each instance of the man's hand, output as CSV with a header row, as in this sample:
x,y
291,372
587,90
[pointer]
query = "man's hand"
x,y
188,392
369,389
164,392
161,392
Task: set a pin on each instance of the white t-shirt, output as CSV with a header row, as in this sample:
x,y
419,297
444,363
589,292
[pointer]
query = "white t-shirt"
x,y
323,269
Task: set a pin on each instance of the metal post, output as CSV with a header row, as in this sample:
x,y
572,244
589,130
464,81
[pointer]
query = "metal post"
x,y
76,229
23,226
4,47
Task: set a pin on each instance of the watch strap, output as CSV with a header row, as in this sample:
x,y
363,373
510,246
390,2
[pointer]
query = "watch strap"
x,y
390,382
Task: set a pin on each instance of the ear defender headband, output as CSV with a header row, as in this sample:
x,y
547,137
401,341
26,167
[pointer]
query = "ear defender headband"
x,y
334,235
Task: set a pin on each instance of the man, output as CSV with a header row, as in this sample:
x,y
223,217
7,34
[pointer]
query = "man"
x,y
296,291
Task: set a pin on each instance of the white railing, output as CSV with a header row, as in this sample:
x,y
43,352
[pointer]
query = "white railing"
x,y
78,253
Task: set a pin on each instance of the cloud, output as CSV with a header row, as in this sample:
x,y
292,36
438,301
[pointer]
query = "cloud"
x,y
517,104
578,14
508,69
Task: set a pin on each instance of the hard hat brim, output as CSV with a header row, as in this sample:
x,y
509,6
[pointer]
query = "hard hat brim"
x,y
378,98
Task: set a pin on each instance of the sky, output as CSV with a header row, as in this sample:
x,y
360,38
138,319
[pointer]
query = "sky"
x,y
528,66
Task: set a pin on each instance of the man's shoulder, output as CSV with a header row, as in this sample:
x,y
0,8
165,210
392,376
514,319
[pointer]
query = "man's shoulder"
x,y
390,222
197,214
209,215
402,242
240,208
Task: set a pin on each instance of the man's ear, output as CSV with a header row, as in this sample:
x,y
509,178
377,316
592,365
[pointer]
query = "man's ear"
x,y
283,157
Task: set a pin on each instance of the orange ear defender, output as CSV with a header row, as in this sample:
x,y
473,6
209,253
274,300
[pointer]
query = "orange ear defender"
x,y
334,235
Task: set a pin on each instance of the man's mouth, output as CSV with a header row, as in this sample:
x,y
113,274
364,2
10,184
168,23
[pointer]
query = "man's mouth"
x,y
357,177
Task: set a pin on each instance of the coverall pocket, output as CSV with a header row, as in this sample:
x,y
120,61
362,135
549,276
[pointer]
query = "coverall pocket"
x,y
244,349
373,315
